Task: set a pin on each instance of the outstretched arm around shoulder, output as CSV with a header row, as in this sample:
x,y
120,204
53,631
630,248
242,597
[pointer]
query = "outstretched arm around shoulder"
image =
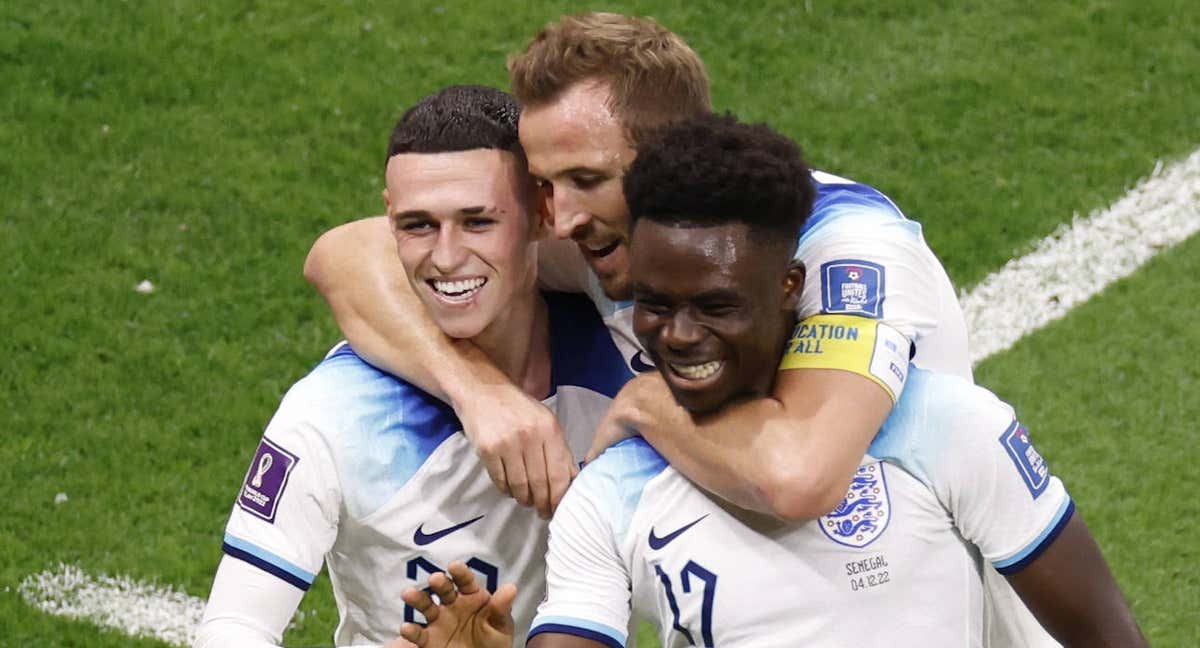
x,y
790,454
356,269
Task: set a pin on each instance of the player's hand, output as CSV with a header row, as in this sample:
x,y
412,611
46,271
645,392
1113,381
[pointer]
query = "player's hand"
x,y
643,406
520,443
467,616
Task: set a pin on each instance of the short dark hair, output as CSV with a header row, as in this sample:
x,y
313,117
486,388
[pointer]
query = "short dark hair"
x,y
714,170
458,118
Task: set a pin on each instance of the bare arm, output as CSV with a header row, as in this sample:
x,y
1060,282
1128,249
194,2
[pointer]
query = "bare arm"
x,y
1071,591
790,455
355,268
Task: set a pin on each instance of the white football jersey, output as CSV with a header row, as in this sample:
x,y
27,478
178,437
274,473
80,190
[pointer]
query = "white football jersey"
x,y
862,257
950,476
371,476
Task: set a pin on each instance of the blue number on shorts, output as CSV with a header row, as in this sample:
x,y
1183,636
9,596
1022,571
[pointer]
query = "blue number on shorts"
x,y
414,567
692,568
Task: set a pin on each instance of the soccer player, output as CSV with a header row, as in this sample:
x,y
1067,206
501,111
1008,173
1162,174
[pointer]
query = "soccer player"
x,y
591,87
715,205
366,473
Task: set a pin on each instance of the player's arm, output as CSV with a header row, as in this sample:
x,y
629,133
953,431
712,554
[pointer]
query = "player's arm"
x,y
284,521
246,608
1004,499
793,453
1073,594
355,268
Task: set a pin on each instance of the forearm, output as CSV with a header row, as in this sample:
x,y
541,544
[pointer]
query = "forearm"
x,y
790,455
355,269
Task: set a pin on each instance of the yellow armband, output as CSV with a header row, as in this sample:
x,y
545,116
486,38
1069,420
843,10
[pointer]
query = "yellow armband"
x,y
863,346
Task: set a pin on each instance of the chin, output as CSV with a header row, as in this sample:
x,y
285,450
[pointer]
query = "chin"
x,y
460,328
616,287
698,403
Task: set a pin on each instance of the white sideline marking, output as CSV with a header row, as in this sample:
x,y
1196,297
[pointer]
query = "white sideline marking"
x,y
1080,259
133,607
1065,269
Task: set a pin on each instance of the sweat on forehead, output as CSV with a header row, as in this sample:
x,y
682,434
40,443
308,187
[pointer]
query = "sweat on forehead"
x,y
713,170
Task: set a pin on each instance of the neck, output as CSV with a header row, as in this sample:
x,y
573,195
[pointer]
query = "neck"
x,y
518,343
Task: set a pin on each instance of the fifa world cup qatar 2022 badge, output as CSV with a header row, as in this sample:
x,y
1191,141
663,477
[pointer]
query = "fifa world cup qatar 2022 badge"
x,y
266,479
852,286
865,512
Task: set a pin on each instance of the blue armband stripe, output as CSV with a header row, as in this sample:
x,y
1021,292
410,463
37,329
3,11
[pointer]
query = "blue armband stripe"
x,y
578,628
268,562
1021,559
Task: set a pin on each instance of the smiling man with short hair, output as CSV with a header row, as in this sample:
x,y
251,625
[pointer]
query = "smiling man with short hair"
x,y
365,473
951,473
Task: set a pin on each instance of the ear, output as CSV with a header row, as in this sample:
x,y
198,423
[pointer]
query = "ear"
x,y
539,214
793,285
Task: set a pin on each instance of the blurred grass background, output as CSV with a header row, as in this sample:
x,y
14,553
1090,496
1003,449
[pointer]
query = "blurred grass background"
x,y
204,146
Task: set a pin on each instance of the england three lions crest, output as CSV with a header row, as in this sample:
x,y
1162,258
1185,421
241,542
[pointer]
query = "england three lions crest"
x,y
864,513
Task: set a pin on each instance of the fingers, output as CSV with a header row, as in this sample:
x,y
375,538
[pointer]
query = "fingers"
x,y
463,577
518,479
539,485
560,470
499,612
414,634
444,588
495,470
421,602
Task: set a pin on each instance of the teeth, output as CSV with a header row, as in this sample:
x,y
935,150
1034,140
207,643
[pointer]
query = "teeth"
x,y
458,288
596,248
697,371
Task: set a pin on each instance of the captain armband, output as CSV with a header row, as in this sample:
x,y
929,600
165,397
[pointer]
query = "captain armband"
x,y
863,346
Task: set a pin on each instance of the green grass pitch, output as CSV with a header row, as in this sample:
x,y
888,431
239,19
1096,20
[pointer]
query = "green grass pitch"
x,y
203,145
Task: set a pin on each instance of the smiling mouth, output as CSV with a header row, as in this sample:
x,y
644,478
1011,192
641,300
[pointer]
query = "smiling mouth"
x,y
697,371
457,291
600,251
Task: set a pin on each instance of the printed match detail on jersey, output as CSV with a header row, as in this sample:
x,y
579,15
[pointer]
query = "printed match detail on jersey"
x,y
866,347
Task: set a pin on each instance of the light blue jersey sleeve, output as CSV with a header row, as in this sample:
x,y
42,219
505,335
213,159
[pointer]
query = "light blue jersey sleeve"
x,y
345,438
863,257
587,576
969,448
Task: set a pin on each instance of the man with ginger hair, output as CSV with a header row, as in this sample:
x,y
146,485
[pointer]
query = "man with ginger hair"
x,y
591,87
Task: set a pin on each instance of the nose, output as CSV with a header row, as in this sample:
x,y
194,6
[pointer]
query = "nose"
x,y
448,251
682,331
568,216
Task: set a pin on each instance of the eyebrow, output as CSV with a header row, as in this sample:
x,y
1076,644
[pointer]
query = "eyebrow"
x,y
474,210
717,294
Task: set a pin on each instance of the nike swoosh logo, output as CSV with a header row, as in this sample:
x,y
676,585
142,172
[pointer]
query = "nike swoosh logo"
x,y
639,364
422,538
657,543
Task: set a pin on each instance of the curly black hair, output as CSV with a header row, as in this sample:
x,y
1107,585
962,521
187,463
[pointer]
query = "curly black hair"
x,y
714,170
458,118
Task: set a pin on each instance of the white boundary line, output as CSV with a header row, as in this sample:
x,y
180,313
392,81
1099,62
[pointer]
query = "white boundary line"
x,y
1065,269
135,608
1079,260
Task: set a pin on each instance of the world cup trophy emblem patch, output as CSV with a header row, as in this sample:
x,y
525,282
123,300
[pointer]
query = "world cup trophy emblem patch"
x,y
864,513
266,479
